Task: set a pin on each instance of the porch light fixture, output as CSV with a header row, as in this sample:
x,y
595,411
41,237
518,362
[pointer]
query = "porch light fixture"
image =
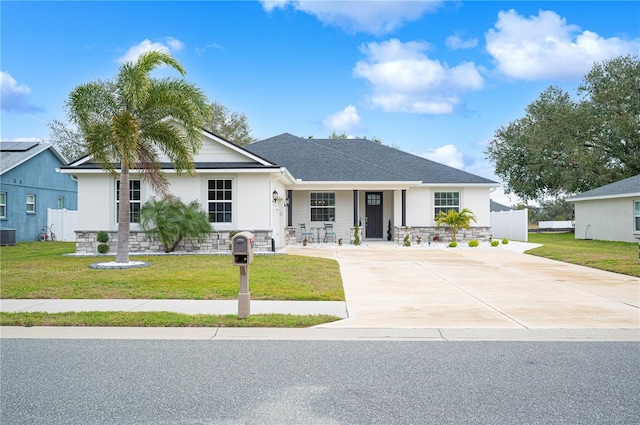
x,y
274,196
286,202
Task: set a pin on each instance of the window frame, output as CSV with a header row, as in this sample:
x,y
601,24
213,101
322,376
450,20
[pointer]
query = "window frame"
x,y
134,213
636,216
222,198
31,203
3,204
450,203
320,212
60,202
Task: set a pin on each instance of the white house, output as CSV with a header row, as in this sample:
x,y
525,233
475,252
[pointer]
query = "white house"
x,y
273,186
610,212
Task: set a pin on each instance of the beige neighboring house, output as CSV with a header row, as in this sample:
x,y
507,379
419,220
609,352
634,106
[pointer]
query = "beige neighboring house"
x,y
273,186
610,212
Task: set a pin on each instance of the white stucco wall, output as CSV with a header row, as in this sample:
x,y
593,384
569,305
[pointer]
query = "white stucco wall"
x,y
420,207
96,202
606,219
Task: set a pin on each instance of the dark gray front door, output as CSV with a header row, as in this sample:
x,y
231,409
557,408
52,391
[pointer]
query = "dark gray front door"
x,y
374,215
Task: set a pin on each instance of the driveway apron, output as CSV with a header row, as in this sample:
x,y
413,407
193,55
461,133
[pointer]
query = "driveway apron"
x,y
396,287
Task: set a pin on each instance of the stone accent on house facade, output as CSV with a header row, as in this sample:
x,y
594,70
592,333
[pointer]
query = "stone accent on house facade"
x,y
290,236
216,242
443,234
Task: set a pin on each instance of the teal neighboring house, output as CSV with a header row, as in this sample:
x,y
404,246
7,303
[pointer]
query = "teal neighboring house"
x,y
29,185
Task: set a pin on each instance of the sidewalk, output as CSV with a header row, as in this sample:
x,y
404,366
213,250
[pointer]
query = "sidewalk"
x,y
333,308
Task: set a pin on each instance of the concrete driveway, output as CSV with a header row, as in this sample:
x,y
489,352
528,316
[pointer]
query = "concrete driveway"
x,y
387,286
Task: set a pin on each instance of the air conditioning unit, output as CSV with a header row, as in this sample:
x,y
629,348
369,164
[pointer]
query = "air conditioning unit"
x,y
7,237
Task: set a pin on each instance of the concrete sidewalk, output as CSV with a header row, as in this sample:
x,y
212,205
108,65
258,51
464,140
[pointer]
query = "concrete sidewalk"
x,y
333,308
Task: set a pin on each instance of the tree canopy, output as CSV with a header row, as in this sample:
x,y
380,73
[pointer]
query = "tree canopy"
x,y
564,146
232,126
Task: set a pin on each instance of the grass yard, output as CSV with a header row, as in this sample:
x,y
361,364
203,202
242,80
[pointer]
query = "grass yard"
x,y
161,319
619,257
40,270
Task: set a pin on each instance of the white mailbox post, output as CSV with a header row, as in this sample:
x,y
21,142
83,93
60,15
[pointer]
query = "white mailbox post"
x,y
242,256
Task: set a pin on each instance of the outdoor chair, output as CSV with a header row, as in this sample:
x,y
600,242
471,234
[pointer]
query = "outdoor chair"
x,y
329,233
305,234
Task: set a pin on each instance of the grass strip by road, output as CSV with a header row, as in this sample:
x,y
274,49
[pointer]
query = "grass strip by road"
x,y
40,270
618,257
162,319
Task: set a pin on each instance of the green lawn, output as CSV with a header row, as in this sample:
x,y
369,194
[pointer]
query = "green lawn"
x,y
161,319
40,270
619,257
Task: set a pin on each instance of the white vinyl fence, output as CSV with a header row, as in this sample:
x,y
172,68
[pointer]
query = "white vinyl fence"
x,y
513,225
65,224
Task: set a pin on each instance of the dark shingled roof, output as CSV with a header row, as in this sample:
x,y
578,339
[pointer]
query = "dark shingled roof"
x,y
495,206
354,160
629,186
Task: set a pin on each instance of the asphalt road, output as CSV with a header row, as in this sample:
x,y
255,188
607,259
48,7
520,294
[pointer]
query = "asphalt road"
x,y
318,382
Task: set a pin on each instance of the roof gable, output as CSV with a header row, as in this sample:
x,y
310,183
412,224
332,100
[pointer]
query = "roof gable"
x,y
355,160
15,154
623,188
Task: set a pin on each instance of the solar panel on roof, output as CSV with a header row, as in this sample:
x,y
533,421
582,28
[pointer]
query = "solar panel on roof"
x,y
17,146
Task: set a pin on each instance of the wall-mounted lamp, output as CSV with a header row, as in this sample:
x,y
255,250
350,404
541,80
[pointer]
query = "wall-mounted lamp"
x,y
274,196
286,202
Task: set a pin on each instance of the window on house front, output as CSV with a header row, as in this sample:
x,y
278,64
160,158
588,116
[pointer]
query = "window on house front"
x,y
220,201
60,202
31,203
445,201
3,204
636,215
134,201
323,206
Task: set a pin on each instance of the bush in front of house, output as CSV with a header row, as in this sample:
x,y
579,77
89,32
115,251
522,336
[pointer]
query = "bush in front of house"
x,y
495,243
505,241
473,243
407,240
170,221
453,244
103,238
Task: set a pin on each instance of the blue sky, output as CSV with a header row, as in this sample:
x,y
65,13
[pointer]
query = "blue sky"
x,y
436,79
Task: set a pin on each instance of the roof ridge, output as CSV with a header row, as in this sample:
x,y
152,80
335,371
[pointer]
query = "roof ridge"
x,y
356,158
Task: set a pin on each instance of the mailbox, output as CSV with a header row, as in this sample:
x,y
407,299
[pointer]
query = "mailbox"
x,y
242,249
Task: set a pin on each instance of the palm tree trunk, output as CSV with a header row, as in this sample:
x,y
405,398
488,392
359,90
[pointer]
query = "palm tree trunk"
x,y
124,210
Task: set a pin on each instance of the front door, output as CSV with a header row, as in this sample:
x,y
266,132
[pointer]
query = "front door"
x,y
373,212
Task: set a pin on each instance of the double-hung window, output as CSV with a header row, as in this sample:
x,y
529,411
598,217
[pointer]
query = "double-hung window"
x,y
636,215
134,201
323,206
220,200
445,201
60,202
3,204
31,204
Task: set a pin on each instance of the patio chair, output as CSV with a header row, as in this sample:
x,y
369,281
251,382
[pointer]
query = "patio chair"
x,y
305,234
329,233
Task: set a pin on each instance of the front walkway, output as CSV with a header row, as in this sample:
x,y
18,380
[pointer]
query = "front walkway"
x,y
387,286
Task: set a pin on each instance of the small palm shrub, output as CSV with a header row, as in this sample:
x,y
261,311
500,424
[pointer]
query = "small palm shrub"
x,y
495,243
453,244
473,243
170,221
505,241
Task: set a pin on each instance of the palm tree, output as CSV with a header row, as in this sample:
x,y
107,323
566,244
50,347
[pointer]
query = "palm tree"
x,y
455,220
127,122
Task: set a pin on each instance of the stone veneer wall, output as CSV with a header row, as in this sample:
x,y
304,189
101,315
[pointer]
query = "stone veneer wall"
x,y
290,235
428,233
86,242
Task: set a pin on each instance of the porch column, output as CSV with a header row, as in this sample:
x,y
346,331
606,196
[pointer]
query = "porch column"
x,y
404,207
290,208
355,207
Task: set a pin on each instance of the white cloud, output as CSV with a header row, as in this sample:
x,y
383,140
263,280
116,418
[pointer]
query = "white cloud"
x,y
169,45
545,46
404,79
203,50
457,42
13,96
344,121
376,17
448,155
